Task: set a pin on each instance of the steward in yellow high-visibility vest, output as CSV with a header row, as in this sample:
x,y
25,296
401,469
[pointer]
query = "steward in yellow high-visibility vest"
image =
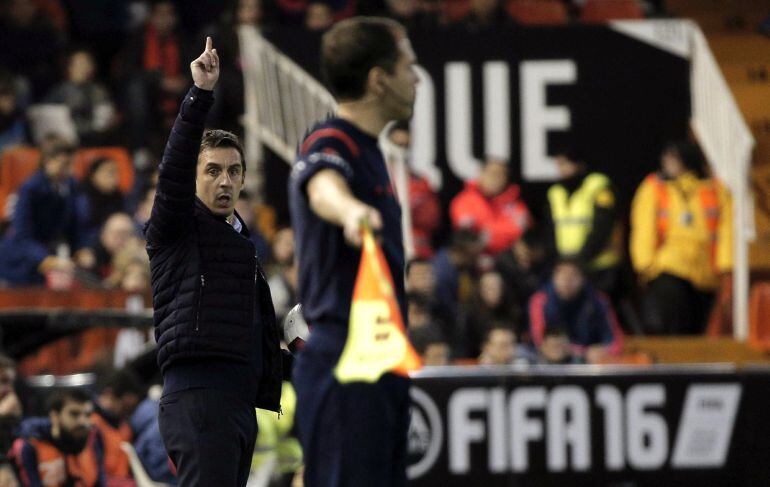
x,y
582,210
680,241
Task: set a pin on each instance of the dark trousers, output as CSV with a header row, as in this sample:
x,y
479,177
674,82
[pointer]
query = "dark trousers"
x,y
673,306
209,435
352,435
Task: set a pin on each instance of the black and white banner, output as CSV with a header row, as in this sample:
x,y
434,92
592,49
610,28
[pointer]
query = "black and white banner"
x,y
618,92
671,426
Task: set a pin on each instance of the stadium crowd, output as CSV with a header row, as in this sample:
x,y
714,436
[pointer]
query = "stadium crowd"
x,y
507,284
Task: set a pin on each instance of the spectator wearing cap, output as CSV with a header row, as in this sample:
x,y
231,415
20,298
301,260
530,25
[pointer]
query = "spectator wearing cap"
x,y
45,219
568,301
492,206
581,220
681,240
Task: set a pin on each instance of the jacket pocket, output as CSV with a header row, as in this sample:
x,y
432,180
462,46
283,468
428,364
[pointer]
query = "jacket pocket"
x,y
198,302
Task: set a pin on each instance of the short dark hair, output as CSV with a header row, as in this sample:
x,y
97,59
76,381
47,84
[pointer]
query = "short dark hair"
x,y
571,261
54,146
122,382
691,156
352,47
426,336
222,139
60,398
416,260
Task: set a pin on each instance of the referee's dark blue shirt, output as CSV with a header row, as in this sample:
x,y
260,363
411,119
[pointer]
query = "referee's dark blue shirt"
x,y
327,264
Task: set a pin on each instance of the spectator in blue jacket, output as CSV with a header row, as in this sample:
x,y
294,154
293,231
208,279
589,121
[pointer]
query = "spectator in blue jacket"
x,y
568,302
45,217
149,444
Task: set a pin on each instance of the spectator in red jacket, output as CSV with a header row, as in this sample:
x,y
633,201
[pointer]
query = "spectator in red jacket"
x,y
423,202
493,206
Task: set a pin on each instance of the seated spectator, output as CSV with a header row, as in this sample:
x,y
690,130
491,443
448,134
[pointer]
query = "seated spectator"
x,y
99,196
32,45
115,235
490,305
153,65
492,206
282,254
245,209
486,15
148,442
227,111
121,393
13,126
581,220
453,264
430,343
569,302
63,449
45,226
499,347
130,268
419,311
10,416
524,268
420,278
555,347
424,204
681,240
318,17
283,288
89,101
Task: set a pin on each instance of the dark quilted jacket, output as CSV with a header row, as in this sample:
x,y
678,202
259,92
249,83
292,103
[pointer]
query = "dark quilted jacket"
x,y
206,278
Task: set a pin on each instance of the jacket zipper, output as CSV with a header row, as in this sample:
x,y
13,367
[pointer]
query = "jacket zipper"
x,y
198,307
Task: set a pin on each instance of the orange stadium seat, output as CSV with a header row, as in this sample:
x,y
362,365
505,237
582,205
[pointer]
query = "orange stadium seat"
x,y
538,12
598,11
84,158
759,316
16,165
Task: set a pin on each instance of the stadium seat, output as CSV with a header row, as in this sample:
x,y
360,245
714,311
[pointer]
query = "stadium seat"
x,y
759,316
16,165
538,12
455,10
599,11
84,158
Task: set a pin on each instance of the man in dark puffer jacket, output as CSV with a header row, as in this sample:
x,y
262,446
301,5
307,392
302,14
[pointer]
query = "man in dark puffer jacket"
x,y
218,345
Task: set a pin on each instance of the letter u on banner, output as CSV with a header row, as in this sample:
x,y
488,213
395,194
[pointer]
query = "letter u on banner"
x,y
377,341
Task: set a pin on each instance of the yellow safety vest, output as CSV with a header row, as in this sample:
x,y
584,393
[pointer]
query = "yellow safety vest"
x,y
573,218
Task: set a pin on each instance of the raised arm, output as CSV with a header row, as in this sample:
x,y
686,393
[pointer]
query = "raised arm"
x,y
174,206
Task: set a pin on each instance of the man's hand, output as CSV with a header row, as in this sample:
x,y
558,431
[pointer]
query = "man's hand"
x,y
354,219
205,69
7,477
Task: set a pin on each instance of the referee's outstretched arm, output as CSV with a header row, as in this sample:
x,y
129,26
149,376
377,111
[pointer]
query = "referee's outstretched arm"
x,y
174,206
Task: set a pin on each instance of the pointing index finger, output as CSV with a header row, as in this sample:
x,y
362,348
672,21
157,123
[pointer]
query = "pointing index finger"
x,y
209,43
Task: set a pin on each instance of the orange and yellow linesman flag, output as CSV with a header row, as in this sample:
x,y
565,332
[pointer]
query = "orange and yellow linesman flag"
x,y
377,341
